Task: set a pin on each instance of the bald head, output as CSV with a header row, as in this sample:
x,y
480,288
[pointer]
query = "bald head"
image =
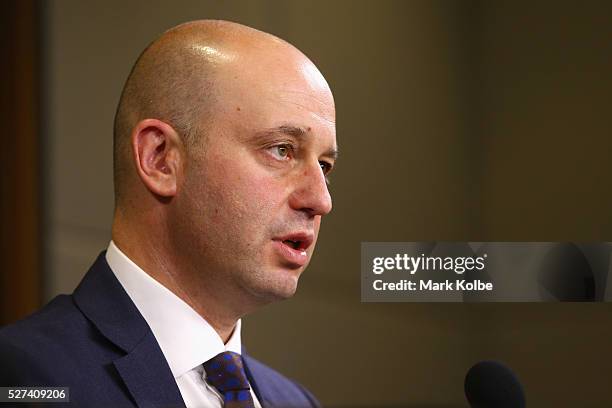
x,y
179,80
224,138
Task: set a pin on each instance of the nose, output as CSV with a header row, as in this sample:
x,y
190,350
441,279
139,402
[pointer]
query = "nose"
x,y
311,194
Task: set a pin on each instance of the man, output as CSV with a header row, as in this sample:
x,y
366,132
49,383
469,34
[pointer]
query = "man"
x,y
224,136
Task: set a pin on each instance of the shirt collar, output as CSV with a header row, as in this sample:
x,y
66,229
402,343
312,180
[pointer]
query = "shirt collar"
x,y
185,338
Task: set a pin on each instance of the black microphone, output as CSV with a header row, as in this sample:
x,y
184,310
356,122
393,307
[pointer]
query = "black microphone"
x,y
490,384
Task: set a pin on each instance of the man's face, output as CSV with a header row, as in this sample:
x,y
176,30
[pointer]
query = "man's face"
x,y
255,191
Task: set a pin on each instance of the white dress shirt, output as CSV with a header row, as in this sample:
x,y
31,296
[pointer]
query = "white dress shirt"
x,y
185,338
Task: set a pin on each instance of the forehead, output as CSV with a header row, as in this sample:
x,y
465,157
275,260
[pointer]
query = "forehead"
x,y
274,89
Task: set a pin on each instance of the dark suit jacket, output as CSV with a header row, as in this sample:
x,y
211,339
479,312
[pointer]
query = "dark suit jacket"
x,y
96,342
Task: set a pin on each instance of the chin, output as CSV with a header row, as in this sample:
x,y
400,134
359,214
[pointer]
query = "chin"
x,y
284,289
278,285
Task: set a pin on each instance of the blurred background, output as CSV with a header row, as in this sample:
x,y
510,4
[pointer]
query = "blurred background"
x,y
457,120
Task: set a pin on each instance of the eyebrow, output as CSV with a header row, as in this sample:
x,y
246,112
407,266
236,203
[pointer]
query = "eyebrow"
x,y
299,133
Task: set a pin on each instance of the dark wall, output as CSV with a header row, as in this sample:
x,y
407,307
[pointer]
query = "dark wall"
x,y
20,184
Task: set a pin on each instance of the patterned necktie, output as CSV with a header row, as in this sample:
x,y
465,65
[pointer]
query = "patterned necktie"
x,y
226,373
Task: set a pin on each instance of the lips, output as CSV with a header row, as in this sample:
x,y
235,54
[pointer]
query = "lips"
x,y
292,247
299,240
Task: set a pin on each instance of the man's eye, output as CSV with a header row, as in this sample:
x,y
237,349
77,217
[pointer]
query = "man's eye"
x,y
281,152
325,166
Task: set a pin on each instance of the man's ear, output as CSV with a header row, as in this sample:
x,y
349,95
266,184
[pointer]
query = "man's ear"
x,y
157,154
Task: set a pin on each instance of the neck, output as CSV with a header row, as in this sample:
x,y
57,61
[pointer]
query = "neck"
x,y
156,259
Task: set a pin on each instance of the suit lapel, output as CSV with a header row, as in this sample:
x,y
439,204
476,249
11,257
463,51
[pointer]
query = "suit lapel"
x,y
143,368
260,390
148,377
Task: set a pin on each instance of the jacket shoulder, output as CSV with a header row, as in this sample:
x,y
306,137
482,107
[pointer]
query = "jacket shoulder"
x,y
46,327
40,347
277,389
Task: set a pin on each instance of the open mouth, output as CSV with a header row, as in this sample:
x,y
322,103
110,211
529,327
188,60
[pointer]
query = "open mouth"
x,y
299,241
292,248
295,244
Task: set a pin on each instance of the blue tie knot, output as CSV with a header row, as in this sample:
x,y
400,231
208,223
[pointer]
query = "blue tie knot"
x,y
226,373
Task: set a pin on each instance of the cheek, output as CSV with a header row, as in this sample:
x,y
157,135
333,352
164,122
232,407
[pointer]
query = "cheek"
x,y
243,199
